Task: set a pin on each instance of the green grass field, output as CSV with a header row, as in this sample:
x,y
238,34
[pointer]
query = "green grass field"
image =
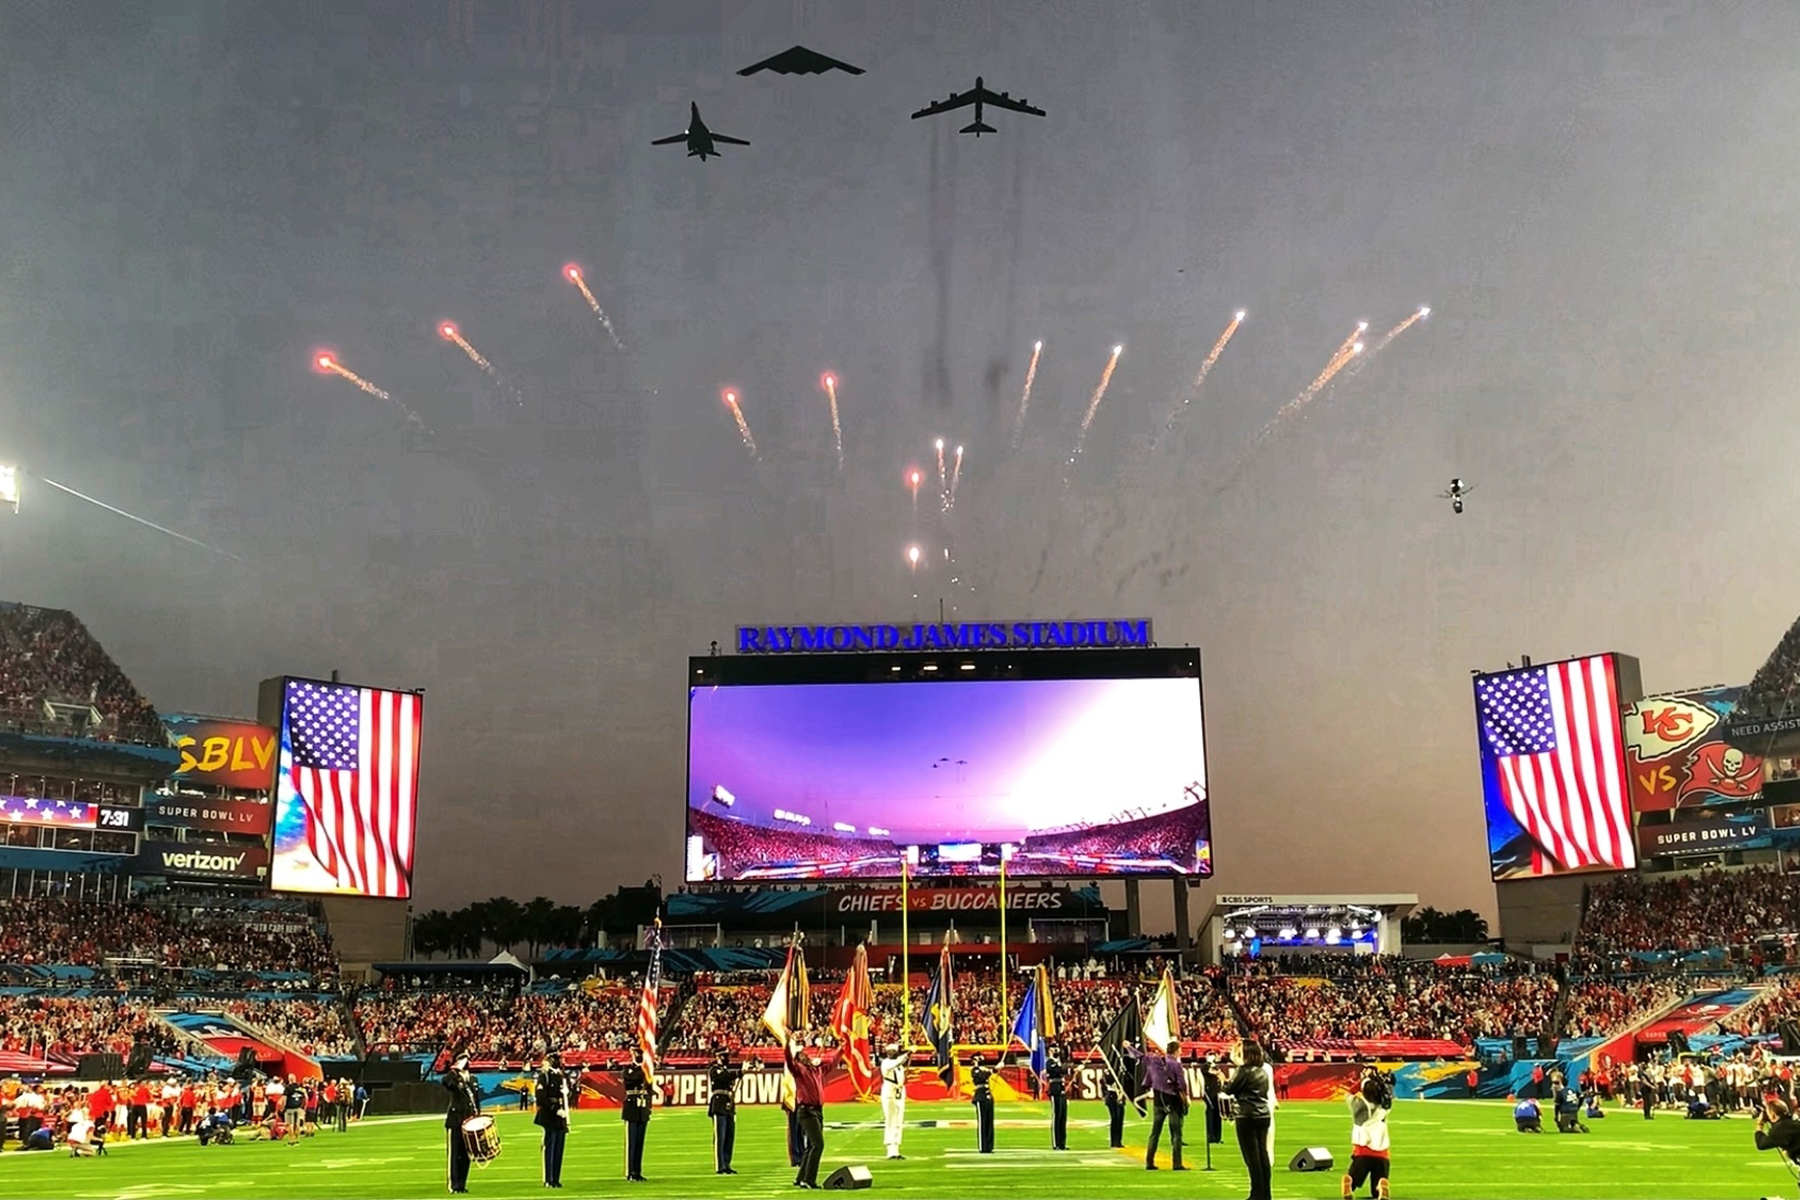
x,y
1441,1149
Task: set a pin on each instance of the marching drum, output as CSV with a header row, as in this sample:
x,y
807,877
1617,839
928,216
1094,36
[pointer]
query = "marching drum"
x,y
482,1137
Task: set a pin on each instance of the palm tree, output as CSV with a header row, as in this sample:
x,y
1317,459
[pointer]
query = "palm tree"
x,y
535,922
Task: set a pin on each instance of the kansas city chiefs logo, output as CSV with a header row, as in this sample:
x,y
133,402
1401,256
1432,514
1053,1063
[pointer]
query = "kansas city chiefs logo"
x,y
1664,725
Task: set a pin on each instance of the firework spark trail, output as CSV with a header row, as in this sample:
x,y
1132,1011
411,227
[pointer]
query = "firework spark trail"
x,y
1390,335
573,274
731,402
1093,407
913,479
1350,348
329,364
837,430
955,475
1037,351
1206,368
141,521
453,335
943,478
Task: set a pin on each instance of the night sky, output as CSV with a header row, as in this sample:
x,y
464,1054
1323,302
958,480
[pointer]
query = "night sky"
x,y
1598,201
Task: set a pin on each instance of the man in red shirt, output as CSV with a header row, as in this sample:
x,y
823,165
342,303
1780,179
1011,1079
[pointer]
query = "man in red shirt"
x,y
100,1108
137,1121
186,1104
809,1110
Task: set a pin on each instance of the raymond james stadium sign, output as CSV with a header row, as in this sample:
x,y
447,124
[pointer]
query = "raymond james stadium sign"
x,y
973,635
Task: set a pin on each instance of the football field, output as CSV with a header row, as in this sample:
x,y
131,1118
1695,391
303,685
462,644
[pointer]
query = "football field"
x,y
1441,1149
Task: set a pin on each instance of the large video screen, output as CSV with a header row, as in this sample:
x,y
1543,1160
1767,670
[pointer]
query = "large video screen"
x,y
1057,777
1553,769
346,790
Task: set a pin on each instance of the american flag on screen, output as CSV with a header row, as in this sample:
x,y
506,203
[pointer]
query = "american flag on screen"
x,y
1554,735
354,755
68,814
646,1017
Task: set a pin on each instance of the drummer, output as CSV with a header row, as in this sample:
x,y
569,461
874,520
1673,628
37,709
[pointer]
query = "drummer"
x,y
465,1104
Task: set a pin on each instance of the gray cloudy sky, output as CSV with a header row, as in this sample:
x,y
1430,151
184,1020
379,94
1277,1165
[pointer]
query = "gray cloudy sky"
x,y
1597,200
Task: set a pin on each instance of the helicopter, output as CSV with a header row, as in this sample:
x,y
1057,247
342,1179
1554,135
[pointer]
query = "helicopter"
x,y
1456,493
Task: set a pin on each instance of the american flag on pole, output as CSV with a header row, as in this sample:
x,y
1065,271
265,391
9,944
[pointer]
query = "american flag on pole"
x,y
1553,735
352,755
646,1017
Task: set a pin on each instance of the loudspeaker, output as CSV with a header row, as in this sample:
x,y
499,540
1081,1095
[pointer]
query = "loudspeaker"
x,y
1790,1036
1519,1052
138,1065
1313,1158
1678,1042
93,1068
846,1179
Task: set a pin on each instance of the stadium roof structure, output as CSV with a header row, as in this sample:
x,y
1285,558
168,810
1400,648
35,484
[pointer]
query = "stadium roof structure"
x,y
500,964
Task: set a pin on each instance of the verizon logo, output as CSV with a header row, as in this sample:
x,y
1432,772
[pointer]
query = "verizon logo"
x,y
201,862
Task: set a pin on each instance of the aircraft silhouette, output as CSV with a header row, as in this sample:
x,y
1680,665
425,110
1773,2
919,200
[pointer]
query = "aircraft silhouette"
x,y
800,61
700,140
978,96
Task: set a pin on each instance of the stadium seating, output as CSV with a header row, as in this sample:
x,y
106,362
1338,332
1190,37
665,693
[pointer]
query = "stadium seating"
x,y
47,655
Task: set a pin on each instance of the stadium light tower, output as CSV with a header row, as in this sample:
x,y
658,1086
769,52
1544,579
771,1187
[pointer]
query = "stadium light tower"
x,y
9,486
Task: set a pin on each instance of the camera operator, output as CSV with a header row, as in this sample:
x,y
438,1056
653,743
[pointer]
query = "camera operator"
x,y
1369,1108
1776,1129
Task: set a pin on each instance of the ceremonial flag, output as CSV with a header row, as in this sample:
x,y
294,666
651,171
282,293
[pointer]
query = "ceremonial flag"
x,y
850,1022
790,1005
646,1018
940,1021
1126,1030
1036,1023
352,755
1552,733
1162,1023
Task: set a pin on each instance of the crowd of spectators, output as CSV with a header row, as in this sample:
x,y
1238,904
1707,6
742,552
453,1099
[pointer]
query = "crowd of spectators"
x,y
76,933
1772,689
1374,997
1600,1006
498,1025
1689,912
48,654
69,1026
320,1028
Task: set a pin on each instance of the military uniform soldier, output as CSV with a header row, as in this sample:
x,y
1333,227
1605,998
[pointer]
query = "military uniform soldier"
x,y
555,1097
636,1115
1056,1083
1114,1096
982,1098
721,1106
465,1102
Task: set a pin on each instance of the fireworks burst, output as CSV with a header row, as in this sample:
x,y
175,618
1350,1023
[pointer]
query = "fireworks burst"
x,y
1206,368
1093,407
943,478
914,478
1037,351
573,274
731,402
837,430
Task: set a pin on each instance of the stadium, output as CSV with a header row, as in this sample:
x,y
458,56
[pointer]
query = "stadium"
x,y
963,658
204,913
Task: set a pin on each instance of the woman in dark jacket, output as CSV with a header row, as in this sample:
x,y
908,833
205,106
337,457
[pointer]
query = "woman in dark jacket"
x,y
1250,1087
